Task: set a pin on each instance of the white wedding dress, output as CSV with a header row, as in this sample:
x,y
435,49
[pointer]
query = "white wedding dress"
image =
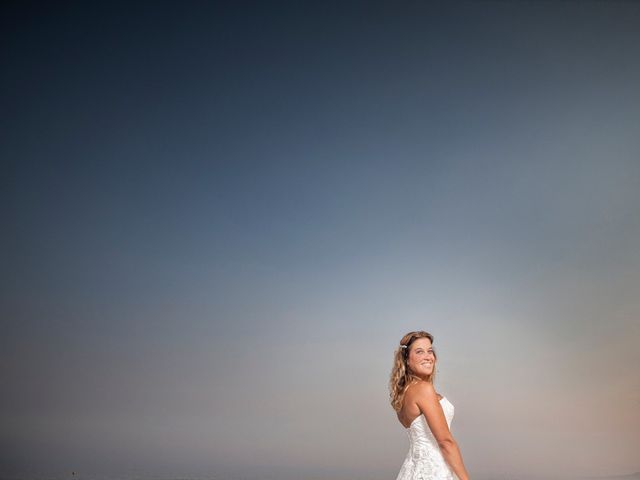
x,y
424,460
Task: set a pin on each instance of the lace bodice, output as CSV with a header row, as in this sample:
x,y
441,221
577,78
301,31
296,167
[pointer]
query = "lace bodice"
x,y
424,460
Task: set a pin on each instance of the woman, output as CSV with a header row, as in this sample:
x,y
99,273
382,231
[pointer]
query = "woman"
x,y
425,414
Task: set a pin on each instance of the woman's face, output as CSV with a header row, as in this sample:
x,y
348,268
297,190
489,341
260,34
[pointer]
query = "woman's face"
x,y
422,359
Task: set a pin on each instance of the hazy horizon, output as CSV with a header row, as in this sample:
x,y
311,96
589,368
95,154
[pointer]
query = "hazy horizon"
x,y
220,219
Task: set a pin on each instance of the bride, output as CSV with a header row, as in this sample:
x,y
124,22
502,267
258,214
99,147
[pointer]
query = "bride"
x,y
425,414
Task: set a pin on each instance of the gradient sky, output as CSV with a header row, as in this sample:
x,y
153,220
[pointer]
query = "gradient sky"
x,y
220,219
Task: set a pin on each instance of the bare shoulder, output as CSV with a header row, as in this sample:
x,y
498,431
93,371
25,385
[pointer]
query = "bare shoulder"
x,y
422,389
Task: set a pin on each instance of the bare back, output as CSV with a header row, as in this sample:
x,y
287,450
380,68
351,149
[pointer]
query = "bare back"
x,y
410,410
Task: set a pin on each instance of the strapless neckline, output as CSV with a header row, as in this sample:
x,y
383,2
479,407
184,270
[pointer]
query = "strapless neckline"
x,y
421,415
424,460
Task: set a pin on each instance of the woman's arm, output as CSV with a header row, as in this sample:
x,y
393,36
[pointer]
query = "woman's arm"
x,y
427,400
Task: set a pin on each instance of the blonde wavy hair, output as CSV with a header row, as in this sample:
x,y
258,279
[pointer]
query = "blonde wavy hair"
x,y
401,377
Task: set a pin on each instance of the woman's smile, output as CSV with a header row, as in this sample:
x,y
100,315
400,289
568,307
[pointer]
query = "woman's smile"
x,y
421,357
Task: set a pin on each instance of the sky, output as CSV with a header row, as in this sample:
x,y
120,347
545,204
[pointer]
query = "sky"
x,y
219,219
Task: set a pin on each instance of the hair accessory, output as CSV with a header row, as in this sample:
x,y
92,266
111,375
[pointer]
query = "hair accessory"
x,y
403,346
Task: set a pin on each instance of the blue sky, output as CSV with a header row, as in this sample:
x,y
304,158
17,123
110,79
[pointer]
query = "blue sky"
x,y
221,219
